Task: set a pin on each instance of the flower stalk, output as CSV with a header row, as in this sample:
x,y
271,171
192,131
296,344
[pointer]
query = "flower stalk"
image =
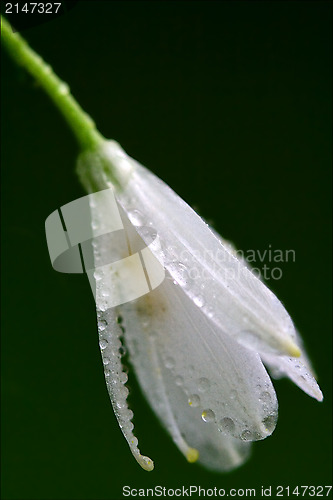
x,y
80,122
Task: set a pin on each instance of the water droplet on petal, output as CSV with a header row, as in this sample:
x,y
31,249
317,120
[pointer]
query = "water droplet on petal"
x,y
199,300
136,217
106,361
227,425
208,416
194,400
179,273
265,397
203,385
123,377
97,276
246,435
103,343
270,422
124,391
210,312
102,325
134,441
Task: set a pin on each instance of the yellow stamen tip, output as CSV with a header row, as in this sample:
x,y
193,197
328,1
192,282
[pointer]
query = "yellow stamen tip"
x,y
146,463
293,350
192,455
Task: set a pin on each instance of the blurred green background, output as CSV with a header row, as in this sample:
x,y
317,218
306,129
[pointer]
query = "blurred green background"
x,y
230,104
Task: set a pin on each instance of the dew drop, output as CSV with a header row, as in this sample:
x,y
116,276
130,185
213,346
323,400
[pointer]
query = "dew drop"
x,y
123,391
97,276
106,361
102,325
210,312
203,384
194,400
179,273
136,217
103,343
179,381
227,425
208,416
103,306
134,441
270,422
265,397
123,377
246,435
199,300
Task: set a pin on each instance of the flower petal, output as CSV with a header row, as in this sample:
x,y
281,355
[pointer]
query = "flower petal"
x,y
206,388
225,380
110,331
233,297
298,370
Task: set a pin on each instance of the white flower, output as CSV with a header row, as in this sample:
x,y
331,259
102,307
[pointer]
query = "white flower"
x,y
199,340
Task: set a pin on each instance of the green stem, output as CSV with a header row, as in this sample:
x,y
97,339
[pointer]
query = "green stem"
x,y
81,123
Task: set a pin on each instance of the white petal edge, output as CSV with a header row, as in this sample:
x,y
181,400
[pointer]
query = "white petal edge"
x,y
109,338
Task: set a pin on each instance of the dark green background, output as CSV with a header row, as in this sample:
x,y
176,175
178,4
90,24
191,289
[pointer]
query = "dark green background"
x,y
230,104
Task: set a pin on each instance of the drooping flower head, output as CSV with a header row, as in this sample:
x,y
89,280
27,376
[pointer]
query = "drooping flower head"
x,y
198,341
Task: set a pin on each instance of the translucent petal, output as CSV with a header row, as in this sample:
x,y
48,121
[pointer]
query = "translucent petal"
x,y
109,336
215,373
212,277
298,370
188,368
